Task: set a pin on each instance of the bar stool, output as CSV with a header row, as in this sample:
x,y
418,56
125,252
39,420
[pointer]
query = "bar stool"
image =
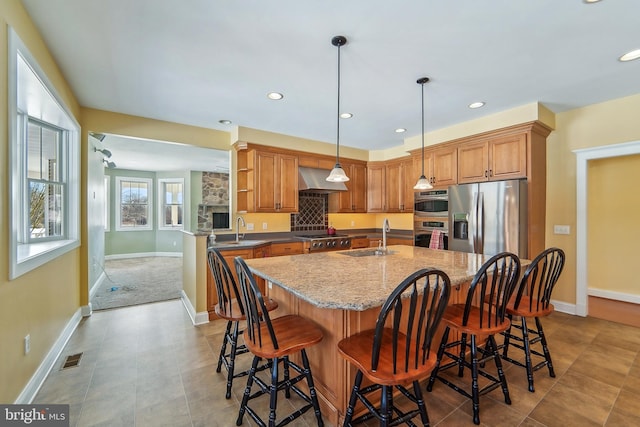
x,y
229,308
397,353
482,315
275,340
533,299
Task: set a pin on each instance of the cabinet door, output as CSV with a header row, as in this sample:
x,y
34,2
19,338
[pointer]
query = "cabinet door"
x,y
287,183
508,157
394,187
444,167
288,248
376,188
473,161
358,188
408,178
265,186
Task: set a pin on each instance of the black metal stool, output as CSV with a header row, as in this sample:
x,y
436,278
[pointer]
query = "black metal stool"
x,y
533,299
483,315
275,340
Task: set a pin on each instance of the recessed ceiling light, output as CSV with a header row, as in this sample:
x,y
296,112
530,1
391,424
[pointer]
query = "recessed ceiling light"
x,y
400,130
275,95
225,122
630,56
346,115
591,1
476,105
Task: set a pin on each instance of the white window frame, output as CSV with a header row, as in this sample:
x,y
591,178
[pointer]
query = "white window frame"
x,y
149,182
107,203
161,203
32,94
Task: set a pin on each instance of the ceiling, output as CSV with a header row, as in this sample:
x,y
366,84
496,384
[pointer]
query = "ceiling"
x,y
202,61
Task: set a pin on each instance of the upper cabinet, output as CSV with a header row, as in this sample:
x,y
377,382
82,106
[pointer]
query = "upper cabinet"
x,y
376,187
354,200
399,181
267,181
494,159
440,166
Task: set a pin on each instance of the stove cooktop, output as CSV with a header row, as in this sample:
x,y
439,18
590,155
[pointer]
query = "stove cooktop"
x,y
321,236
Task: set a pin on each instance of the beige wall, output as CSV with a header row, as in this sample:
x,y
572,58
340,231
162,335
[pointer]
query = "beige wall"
x,y
613,230
41,302
597,125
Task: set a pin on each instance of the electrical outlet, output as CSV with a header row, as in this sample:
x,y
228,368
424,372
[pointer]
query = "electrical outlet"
x,y
175,243
250,226
264,225
561,229
27,344
353,223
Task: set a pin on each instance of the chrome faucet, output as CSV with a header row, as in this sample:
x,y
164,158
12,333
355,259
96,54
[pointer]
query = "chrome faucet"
x,y
385,228
244,224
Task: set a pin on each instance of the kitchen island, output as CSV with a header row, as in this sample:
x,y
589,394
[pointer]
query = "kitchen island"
x,y
343,292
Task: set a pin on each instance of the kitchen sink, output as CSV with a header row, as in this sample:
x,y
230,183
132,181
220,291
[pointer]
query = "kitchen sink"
x,y
367,252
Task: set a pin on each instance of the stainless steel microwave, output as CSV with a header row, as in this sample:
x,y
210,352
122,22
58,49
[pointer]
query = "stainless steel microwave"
x,y
431,203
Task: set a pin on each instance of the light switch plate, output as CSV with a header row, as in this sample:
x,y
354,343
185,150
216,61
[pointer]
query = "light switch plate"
x,y
561,229
250,226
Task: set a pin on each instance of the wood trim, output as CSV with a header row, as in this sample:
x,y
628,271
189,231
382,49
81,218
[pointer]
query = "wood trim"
x,y
615,311
242,145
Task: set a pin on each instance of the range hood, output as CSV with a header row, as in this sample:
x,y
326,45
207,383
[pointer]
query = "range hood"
x,y
312,179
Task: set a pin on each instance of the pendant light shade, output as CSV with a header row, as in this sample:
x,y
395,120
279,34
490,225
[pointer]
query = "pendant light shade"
x,y
337,173
423,183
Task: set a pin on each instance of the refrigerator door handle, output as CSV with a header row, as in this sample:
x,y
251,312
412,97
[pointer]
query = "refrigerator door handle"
x,y
474,222
480,221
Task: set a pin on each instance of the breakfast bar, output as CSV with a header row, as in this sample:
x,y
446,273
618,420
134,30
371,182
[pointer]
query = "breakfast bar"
x,y
343,292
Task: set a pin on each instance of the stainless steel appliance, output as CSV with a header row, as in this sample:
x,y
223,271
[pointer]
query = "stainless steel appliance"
x,y
431,203
423,228
489,217
325,243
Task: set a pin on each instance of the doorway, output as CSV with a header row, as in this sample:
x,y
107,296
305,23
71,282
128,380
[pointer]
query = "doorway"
x,y
584,289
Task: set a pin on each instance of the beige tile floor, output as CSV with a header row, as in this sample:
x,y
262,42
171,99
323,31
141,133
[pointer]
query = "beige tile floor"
x,y
147,365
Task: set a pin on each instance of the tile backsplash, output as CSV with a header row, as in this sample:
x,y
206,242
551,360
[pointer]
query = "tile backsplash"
x,y
312,215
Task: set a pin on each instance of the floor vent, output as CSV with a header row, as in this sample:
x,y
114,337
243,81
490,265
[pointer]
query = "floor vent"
x,y
72,361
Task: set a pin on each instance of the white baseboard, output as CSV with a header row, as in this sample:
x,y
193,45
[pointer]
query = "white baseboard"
x,y
564,307
143,254
617,296
196,318
31,389
96,285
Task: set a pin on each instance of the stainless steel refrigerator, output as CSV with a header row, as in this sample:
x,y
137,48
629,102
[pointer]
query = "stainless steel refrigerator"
x,y
489,217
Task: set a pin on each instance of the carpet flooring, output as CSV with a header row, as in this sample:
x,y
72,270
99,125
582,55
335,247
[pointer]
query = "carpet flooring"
x,y
134,281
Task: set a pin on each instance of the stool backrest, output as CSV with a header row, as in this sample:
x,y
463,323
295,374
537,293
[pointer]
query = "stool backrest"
x,y
539,279
491,289
411,314
226,286
255,309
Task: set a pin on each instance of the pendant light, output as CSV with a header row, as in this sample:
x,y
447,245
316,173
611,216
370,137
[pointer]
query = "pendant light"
x,y
337,173
423,182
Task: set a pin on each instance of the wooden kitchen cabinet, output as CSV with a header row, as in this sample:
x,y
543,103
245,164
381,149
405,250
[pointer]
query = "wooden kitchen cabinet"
x,y
354,200
496,159
443,166
376,198
399,184
359,242
286,248
276,184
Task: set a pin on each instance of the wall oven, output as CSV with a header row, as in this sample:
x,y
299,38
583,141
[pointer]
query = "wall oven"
x,y
423,228
432,203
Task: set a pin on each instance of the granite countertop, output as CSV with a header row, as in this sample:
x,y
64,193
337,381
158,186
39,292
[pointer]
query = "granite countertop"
x,y
339,281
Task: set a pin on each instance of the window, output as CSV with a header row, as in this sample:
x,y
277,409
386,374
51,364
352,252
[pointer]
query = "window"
x,y
171,203
44,166
133,204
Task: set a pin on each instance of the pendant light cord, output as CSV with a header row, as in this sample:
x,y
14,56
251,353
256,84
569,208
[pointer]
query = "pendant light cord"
x,y
422,84
338,115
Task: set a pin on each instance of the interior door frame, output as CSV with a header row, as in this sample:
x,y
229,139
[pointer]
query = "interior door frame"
x,y
582,159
